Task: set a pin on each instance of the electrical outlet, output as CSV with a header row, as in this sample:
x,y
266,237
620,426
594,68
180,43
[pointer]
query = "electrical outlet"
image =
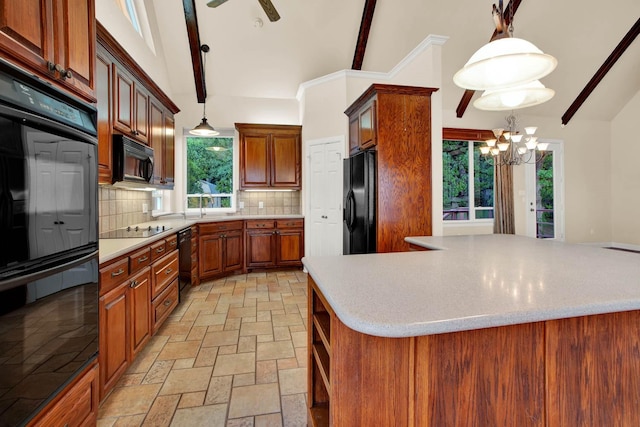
x,y
260,205
241,205
145,208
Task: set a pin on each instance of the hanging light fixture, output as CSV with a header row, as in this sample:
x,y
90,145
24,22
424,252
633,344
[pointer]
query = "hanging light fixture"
x,y
506,62
510,147
522,96
204,128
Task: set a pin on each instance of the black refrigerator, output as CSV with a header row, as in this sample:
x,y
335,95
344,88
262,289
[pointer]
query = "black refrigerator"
x,y
359,214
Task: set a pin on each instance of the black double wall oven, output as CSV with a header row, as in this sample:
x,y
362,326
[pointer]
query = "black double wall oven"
x,y
48,243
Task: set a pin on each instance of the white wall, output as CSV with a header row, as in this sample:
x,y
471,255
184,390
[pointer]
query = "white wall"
x,y
625,174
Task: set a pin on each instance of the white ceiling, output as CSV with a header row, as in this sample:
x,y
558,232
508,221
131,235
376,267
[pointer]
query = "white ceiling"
x,y
317,37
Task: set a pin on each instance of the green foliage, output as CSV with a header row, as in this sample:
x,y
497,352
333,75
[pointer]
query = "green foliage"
x,y
483,178
215,167
455,165
544,171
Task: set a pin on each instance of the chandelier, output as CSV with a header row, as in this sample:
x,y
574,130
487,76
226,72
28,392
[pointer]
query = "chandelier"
x,y
510,147
508,69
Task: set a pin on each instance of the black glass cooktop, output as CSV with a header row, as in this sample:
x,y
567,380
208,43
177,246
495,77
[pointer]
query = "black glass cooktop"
x,y
134,232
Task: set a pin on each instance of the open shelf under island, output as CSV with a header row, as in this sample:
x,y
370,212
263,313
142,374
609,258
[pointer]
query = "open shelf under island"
x,y
490,330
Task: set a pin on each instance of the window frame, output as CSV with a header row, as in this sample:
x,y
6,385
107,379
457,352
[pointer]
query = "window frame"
x,y
234,178
471,136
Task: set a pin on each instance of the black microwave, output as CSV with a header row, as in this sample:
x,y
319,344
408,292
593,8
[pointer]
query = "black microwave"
x,y
132,162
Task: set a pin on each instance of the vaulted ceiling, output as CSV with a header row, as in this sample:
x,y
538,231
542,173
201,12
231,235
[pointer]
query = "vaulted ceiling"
x,y
317,37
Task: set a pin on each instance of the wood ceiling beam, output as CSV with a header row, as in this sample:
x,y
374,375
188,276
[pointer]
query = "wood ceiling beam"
x,y
363,34
191,20
602,71
509,12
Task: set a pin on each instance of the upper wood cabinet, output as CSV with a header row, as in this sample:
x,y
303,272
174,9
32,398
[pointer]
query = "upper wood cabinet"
x,y
56,39
395,121
270,156
130,103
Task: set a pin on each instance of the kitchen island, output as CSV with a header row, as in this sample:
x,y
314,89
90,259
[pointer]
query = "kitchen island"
x,y
485,330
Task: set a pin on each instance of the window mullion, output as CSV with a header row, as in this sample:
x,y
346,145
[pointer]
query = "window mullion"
x,y
472,193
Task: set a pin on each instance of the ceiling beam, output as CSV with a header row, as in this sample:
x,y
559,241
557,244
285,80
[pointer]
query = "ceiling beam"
x,y
191,20
509,12
602,71
363,34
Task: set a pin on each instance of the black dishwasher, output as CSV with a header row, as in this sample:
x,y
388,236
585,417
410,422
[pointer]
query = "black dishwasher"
x,y
184,247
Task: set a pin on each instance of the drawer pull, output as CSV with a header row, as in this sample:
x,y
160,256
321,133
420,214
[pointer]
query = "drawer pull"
x,y
169,270
167,303
117,273
143,259
133,284
159,250
173,243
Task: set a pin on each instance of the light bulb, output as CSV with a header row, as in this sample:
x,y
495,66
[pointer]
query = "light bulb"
x,y
491,142
503,146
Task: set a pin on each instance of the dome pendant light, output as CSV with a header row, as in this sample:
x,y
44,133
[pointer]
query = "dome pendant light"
x,y
504,62
204,128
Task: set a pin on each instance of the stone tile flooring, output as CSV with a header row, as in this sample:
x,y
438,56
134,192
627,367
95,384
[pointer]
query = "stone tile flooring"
x,y
232,354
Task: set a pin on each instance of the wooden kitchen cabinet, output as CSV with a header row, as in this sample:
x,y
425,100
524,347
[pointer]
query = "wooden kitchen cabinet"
x,y
77,406
395,122
220,248
274,243
194,276
270,156
130,103
139,311
56,39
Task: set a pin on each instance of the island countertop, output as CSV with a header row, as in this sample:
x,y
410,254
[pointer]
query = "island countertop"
x,y
473,282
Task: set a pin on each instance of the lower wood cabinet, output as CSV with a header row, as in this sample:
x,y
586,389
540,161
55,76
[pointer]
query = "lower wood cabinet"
x,y
220,248
78,404
274,243
138,291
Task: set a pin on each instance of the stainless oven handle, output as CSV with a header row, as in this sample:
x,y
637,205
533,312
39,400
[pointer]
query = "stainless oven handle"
x,y
17,281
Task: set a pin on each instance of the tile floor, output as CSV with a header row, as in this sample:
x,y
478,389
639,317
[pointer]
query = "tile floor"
x,y
233,353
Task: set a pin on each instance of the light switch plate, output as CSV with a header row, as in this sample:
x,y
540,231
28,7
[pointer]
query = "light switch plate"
x,y
260,205
241,205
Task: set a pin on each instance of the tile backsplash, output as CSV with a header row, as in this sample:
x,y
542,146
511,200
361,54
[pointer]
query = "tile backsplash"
x,y
273,202
119,207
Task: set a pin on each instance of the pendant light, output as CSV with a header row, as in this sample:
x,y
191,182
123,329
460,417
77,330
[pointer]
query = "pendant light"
x,y
504,62
204,128
522,96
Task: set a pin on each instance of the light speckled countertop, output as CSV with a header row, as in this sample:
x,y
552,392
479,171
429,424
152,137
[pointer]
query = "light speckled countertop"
x,y
475,282
113,248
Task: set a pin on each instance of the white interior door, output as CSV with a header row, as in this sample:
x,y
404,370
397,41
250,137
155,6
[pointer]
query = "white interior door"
x,y
324,202
545,194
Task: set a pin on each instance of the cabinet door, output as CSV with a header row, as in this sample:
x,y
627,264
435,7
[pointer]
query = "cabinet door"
x,y
261,247
141,115
232,250
290,247
210,255
168,151
140,310
104,94
367,127
285,161
254,161
75,44
114,336
156,139
26,31
123,101
354,133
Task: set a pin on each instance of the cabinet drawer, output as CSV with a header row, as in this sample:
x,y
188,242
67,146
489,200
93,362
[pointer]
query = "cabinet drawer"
x,y
216,227
113,275
260,223
140,259
158,249
164,272
172,243
164,304
290,223
78,406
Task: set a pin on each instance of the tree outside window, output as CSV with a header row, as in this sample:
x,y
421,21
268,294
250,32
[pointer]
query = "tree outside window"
x,y
209,173
465,175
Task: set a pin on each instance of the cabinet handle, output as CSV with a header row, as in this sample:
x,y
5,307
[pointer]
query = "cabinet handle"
x,y
173,243
143,259
117,273
167,303
133,284
159,250
168,271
